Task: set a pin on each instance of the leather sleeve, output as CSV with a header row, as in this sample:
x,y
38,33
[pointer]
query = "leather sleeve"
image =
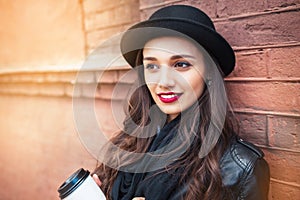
x,y
255,186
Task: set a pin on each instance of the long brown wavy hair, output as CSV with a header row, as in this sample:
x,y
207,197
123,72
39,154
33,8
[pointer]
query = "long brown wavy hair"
x,y
201,173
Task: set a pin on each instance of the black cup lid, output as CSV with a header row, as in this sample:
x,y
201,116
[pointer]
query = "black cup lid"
x,y
73,182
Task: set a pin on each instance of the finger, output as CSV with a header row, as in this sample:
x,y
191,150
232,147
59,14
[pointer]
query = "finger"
x,y
97,180
138,198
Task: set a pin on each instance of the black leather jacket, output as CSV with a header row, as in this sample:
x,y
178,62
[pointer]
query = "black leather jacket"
x,y
245,172
245,175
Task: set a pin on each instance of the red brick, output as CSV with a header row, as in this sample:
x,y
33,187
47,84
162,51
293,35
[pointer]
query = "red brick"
x,y
146,13
250,64
280,191
269,96
259,30
208,6
147,3
284,132
282,3
236,7
284,165
253,128
284,62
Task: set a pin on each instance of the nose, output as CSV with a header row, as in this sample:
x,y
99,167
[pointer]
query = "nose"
x,y
166,79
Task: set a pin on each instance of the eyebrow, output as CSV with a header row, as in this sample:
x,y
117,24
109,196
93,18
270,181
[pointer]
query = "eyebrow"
x,y
172,58
182,56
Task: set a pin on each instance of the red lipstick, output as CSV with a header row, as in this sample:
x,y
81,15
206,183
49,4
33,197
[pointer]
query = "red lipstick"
x,y
168,97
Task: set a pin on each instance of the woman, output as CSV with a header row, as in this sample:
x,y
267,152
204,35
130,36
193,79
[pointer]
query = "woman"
x,y
178,122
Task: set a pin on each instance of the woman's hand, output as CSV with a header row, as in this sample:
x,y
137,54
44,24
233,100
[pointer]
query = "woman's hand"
x,y
139,198
97,180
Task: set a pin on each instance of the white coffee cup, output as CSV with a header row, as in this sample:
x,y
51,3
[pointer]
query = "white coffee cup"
x,y
80,186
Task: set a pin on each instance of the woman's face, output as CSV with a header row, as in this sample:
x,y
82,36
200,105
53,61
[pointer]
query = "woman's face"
x,y
173,70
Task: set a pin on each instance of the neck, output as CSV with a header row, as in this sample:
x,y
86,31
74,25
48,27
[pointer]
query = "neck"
x,y
171,117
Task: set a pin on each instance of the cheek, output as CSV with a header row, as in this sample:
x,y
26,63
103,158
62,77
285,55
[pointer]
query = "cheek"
x,y
150,81
151,87
196,85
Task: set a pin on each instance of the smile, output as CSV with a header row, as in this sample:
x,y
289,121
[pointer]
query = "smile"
x,y
168,97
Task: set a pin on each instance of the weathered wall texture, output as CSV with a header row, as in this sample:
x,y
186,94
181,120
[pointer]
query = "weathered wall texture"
x,y
41,42
105,18
40,33
42,45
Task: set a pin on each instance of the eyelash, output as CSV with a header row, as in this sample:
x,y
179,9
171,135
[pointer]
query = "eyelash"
x,y
187,64
151,66
178,65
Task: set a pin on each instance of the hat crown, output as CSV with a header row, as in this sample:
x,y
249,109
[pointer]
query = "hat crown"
x,y
183,12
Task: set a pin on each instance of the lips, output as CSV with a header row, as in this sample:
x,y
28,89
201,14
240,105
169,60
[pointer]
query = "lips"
x,y
168,97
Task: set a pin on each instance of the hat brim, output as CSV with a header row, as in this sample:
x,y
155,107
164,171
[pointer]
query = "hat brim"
x,y
135,38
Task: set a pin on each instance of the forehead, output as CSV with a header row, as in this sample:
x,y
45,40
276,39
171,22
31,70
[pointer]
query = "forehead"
x,y
172,45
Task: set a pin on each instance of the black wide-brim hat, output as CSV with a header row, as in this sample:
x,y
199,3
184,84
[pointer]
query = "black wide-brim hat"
x,y
186,20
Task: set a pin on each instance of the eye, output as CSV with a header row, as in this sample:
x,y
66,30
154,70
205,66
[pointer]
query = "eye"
x,y
182,65
151,66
